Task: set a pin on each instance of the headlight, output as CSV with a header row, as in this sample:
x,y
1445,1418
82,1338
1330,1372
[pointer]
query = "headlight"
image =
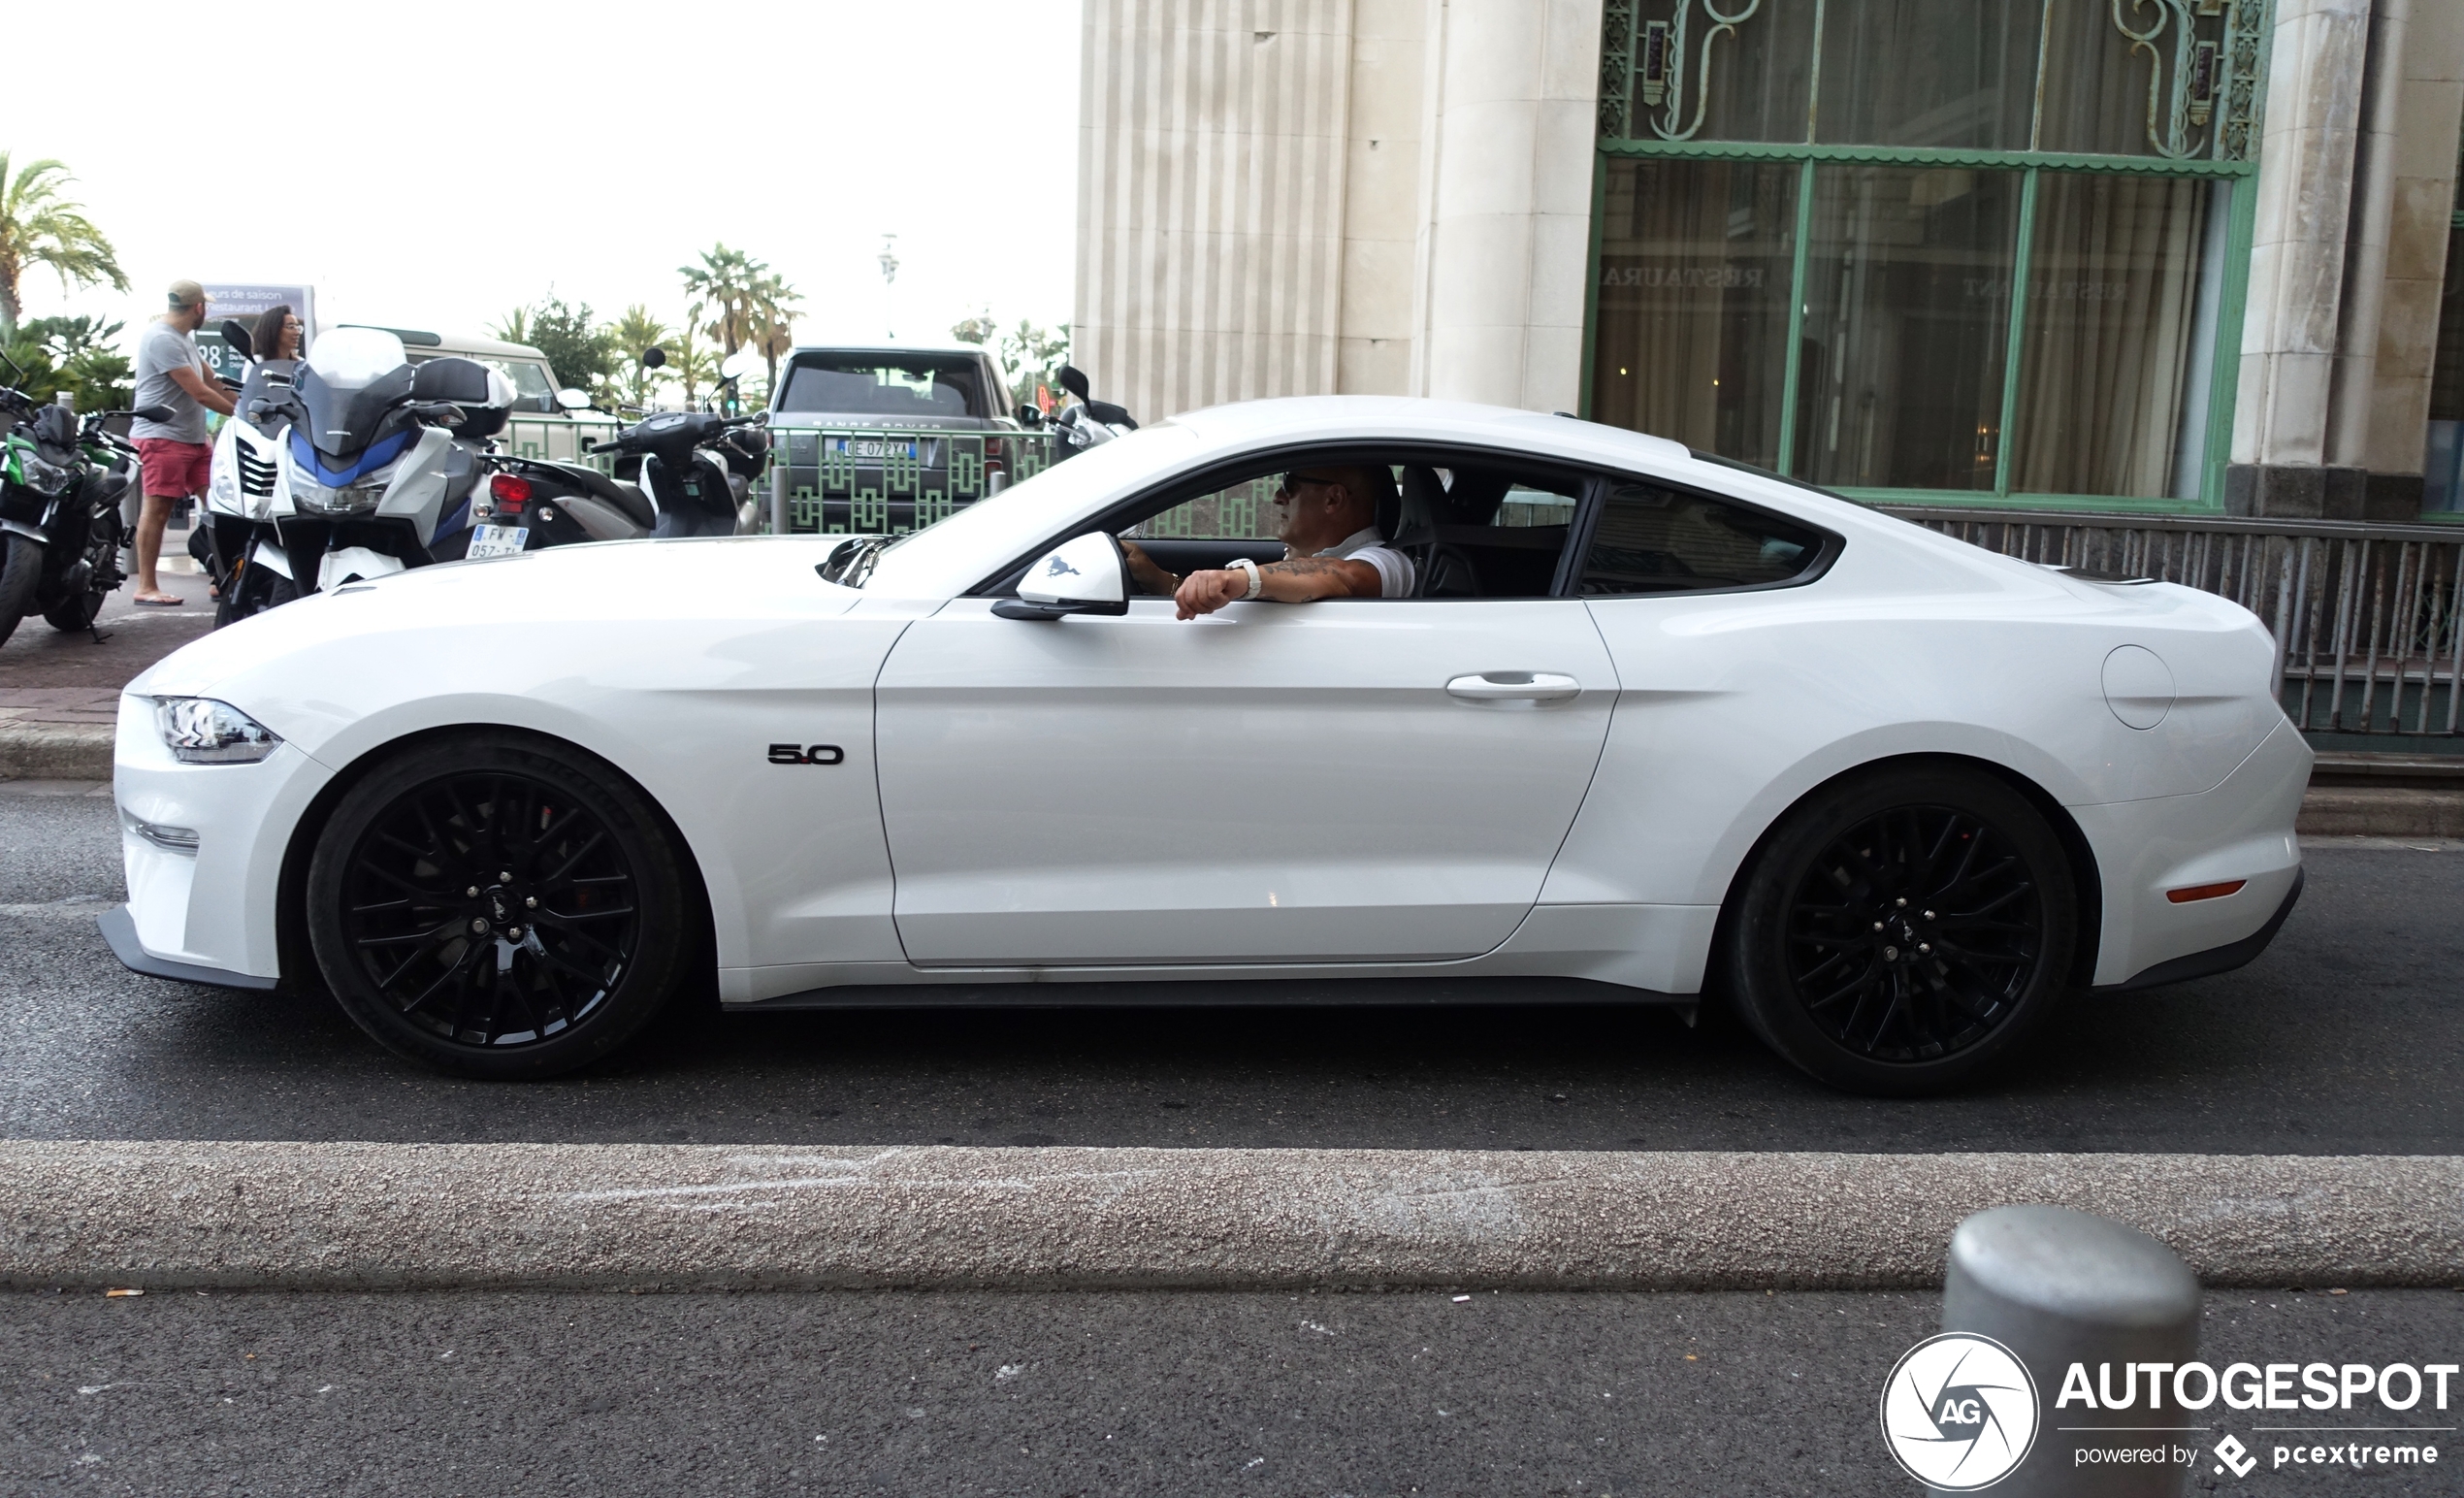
x,y
355,500
201,730
42,476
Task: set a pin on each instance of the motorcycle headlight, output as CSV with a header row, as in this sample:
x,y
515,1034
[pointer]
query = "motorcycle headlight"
x,y
201,730
355,500
44,476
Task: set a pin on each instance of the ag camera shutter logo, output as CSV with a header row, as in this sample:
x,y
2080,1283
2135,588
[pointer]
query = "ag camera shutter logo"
x,y
1958,1412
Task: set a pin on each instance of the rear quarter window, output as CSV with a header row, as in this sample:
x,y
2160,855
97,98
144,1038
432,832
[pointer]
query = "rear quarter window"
x,y
1653,540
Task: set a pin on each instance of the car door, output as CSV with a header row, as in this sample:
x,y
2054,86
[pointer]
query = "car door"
x,y
1343,781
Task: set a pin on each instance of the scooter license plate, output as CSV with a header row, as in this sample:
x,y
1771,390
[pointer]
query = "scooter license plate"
x,y
497,541
872,447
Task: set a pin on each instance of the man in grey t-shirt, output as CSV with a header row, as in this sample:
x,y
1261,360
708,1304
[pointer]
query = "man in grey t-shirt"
x,y
172,454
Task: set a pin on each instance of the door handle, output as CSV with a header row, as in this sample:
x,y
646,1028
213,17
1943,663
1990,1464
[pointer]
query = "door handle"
x,y
1513,687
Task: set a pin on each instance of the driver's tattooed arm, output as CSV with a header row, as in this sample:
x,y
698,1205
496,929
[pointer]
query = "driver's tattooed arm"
x,y
1297,580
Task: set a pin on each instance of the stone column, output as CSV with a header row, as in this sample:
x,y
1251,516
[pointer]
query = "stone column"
x,y
2349,387
1510,104
2423,197
1211,155
2298,265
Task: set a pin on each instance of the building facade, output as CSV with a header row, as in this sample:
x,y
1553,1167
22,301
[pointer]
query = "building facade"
x,y
2173,255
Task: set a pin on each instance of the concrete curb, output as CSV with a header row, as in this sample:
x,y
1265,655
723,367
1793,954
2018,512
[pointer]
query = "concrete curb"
x,y
57,751
2381,812
359,1216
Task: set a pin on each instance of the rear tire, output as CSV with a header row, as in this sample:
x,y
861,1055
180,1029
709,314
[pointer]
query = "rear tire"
x,y
576,934
20,574
1906,931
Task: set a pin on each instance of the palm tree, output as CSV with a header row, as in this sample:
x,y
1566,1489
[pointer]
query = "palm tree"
x,y
691,362
515,327
774,304
635,331
723,289
39,225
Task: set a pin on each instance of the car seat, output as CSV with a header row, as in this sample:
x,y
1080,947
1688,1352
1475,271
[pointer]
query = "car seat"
x,y
1442,572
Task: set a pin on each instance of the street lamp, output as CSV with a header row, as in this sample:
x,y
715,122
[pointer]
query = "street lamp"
x,y
888,275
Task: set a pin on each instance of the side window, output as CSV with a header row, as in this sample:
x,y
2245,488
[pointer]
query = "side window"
x,y
1656,540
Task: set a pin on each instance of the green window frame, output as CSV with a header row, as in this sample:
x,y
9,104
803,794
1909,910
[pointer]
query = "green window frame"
x,y
2239,104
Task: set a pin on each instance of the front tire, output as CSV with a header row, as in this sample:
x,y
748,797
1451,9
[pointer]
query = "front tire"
x,y
20,574
1905,930
497,906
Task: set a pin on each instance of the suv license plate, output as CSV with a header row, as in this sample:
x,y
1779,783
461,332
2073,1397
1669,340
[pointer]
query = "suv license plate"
x,y
874,447
497,541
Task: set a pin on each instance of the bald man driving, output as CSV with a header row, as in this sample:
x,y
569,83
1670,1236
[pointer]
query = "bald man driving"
x,y
1328,523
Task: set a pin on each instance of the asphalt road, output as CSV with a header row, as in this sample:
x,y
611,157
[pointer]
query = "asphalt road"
x,y
2344,1038
948,1394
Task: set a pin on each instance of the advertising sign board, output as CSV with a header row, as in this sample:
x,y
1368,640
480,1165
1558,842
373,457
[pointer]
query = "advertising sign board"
x,y
244,302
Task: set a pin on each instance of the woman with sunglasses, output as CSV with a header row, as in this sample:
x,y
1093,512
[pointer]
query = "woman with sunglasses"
x,y
1332,549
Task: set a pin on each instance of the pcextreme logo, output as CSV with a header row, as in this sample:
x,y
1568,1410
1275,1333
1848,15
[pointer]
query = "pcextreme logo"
x,y
1958,1412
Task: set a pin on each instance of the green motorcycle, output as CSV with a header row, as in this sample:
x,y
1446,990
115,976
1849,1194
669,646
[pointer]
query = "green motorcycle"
x,y
61,482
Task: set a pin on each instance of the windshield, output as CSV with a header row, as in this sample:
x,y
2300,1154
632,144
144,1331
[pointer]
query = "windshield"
x,y
348,390
950,555
350,358
923,386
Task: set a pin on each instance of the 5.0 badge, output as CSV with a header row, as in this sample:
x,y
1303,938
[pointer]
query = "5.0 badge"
x,y
813,754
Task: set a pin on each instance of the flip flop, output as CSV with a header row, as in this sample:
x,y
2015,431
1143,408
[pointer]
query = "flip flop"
x,y
160,602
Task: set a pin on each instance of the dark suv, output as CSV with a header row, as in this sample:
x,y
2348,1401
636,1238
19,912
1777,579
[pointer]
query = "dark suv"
x,y
888,440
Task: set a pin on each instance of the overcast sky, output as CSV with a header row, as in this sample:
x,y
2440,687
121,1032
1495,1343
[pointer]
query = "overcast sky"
x,y
431,164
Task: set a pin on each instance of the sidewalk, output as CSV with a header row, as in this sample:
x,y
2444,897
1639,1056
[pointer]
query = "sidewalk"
x,y
134,638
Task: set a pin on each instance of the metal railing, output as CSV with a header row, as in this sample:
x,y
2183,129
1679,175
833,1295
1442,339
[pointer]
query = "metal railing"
x,y
2364,616
875,481
560,438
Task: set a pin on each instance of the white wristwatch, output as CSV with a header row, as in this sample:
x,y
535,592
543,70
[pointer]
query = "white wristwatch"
x,y
1256,583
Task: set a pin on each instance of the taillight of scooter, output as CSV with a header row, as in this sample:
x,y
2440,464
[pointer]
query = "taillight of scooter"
x,y
510,492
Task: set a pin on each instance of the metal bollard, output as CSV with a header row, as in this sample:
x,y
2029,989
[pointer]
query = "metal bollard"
x,y
2058,1287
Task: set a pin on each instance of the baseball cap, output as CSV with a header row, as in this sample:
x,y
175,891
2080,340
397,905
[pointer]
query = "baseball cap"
x,y
186,293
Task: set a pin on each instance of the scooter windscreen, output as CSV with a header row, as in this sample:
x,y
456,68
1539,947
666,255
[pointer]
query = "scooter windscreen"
x,y
349,387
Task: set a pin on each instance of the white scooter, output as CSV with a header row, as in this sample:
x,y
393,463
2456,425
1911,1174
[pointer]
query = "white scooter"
x,y
378,463
237,542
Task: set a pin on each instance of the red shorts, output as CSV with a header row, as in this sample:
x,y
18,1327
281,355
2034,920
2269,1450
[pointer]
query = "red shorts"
x,y
175,469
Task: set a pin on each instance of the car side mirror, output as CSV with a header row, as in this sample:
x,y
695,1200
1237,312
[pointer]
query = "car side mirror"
x,y
1031,415
738,365
236,339
1087,575
572,400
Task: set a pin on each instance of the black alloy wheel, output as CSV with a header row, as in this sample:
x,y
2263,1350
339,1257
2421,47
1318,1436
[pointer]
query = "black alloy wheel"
x,y
498,905
1903,930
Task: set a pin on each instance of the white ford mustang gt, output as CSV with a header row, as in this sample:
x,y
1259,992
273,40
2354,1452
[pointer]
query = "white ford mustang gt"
x,y
1652,726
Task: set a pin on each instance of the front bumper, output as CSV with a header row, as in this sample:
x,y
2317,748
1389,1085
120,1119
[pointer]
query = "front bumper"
x,y
120,929
209,911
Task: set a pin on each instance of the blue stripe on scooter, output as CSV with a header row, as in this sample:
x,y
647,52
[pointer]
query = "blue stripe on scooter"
x,y
375,457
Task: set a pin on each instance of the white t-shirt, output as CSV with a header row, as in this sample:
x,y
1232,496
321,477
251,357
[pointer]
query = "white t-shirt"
x,y
1394,572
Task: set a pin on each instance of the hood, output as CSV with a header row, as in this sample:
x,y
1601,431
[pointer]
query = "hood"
x,y
550,600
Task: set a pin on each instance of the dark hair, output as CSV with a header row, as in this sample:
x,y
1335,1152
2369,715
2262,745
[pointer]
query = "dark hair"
x,y
267,335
